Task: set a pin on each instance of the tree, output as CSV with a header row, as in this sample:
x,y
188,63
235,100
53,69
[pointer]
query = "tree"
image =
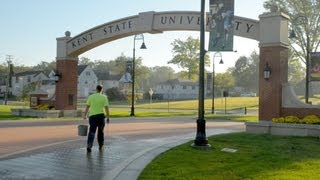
x,y
245,72
46,67
160,74
223,81
186,55
295,71
307,25
85,61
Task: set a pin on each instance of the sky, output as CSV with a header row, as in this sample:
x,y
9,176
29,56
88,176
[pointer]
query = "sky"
x,y
29,29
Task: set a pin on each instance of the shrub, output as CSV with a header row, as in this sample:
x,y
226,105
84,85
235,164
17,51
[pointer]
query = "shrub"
x,y
310,119
44,107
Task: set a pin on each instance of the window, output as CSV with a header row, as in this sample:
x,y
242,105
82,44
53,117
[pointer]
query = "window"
x,y
172,87
87,73
161,86
184,87
29,79
193,87
70,99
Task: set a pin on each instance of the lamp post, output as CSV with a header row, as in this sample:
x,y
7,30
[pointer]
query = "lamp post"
x,y
307,58
143,46
201,138
217,54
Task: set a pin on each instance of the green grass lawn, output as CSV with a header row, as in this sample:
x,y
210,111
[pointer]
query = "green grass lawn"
x,y
258,157
160,109
231,102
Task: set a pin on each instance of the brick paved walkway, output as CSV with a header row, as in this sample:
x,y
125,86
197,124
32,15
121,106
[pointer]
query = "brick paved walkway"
x,y
129,148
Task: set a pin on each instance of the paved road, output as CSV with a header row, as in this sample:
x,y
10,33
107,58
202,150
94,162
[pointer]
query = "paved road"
x,y
52,149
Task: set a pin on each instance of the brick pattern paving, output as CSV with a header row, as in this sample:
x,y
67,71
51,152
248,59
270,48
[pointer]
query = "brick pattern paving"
x,y
70,160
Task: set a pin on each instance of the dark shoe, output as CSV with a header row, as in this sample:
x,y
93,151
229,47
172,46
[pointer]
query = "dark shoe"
x,y
101,147
88,150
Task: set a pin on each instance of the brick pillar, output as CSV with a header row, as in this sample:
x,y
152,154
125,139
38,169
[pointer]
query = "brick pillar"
x,y
274,51
66,87
67,67
270,91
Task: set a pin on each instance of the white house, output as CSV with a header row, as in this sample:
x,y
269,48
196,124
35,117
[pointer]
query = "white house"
x,y
87,81
21,80
177,89
108,80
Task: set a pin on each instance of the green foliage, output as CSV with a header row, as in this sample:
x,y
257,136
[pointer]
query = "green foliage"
x,y
25,94
223,81
296,72
245,72
114,94
257,157
310,119
44,107
186,55
46,67
308,26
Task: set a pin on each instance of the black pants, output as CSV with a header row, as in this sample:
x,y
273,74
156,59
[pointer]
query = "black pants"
x,y
96,121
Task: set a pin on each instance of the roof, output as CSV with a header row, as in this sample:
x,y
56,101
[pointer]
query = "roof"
x,y
27,73
81,68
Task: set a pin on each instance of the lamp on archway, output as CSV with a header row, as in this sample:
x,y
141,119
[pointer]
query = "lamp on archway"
x,y
267,72
143,46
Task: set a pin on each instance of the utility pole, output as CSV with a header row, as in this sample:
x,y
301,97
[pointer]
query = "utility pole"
x,y
9,61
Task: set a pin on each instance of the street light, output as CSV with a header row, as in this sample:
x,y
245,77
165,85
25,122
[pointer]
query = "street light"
x,y
293,36
143,46
217,54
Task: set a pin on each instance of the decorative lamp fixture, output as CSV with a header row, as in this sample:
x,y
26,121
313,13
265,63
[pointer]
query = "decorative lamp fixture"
x,y
57,76
221,61
143,46
267,72
292,34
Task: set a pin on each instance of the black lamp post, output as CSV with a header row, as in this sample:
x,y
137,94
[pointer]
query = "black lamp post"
x,y
201,140
143,46
307,58
217,54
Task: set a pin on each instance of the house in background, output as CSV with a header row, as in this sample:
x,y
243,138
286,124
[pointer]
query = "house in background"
x,y
87,81
108,80
177,89
21,80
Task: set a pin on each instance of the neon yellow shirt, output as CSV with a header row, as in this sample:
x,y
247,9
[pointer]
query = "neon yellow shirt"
x,y
97,102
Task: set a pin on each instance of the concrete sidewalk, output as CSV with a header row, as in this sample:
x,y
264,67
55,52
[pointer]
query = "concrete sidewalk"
x,y
124,157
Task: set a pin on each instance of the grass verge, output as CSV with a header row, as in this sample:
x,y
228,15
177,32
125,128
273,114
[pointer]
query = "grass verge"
x,y
258,157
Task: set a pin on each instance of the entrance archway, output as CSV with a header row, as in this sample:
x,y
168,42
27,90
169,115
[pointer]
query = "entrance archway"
x,y
271,31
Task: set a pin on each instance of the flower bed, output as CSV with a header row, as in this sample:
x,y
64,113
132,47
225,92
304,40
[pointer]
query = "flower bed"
x,y
287,126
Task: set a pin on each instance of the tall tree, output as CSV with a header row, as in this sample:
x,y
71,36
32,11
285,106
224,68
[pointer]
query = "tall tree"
x,y
47,67
160,74
223,81
85,61
245,72
305,20
186,55
295,71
